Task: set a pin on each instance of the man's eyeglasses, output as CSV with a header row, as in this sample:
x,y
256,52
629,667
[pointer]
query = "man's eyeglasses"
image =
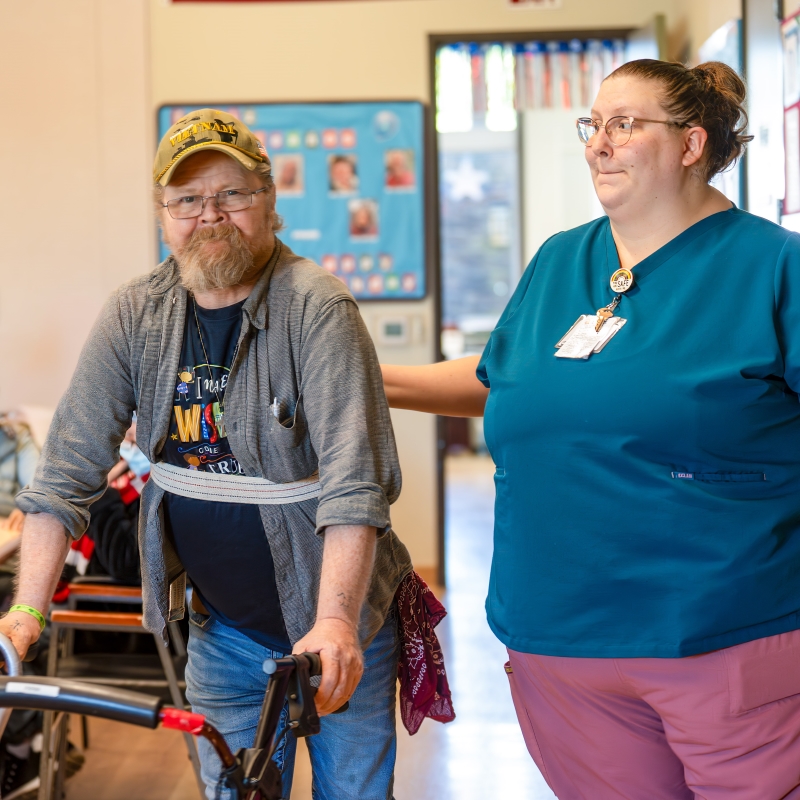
x,y
192,205
618,129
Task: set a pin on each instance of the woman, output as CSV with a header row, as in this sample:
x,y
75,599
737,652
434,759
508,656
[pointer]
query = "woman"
x,y
646,572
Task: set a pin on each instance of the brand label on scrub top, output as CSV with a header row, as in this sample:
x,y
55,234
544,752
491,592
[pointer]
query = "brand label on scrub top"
x,y
686,476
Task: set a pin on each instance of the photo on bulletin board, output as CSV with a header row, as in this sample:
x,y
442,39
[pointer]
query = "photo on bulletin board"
x,y
343,174
350,187
288,171
363,219
400,175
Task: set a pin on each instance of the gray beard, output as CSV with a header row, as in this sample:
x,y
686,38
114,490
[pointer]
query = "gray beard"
x,y
202,271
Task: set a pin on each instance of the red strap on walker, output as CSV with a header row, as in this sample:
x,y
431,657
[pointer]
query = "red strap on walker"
x,y
180,720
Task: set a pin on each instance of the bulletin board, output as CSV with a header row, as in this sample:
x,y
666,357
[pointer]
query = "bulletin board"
x,y
350,187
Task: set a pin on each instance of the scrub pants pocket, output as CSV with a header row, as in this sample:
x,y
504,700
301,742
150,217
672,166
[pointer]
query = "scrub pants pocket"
x,y
763,671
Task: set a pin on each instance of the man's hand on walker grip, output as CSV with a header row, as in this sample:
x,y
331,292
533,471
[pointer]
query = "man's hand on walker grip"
x,y
22,629
337,643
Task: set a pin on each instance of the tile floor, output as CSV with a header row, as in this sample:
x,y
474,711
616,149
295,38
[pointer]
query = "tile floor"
x,y
479,756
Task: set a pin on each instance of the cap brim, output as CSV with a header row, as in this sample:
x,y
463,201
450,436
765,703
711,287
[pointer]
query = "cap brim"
x,y
245,159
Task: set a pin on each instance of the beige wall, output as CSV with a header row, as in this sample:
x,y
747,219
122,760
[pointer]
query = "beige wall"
x,y
341,50
693,22
75,221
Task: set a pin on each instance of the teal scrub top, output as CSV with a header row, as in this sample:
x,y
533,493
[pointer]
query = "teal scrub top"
x,y
648,499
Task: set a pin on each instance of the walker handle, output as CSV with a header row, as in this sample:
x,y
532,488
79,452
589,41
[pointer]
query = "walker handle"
x,y
13,667
77,697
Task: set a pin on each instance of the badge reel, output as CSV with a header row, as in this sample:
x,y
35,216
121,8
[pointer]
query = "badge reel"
x,y
592,332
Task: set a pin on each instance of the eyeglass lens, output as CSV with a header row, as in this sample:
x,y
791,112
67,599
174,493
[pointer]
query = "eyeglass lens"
x,y
618,129
192,205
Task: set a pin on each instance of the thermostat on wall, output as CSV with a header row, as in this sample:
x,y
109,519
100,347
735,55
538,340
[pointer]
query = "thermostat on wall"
x,y
393,331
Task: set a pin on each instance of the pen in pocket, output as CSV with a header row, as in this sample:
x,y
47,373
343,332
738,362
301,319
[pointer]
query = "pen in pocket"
x,y
275,409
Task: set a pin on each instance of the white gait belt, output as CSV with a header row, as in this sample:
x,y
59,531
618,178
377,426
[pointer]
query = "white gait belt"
x,y
232,488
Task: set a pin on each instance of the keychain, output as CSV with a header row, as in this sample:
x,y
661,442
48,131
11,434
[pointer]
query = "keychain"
x,y
591,333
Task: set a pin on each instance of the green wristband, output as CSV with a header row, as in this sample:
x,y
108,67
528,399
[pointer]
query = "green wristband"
x,y
29,610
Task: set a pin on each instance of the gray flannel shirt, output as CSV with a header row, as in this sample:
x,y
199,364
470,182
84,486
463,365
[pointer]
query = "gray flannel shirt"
x,y
302,341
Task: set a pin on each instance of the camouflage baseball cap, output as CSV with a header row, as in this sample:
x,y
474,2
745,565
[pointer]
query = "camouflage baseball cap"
x,y
207,129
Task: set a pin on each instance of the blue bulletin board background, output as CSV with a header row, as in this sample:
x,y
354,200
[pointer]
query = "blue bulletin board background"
x,y
350,184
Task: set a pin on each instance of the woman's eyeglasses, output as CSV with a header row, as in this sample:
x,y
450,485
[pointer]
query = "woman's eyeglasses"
x,y
618,129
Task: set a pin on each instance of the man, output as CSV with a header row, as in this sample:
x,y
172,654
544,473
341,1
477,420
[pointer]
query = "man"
x,y
260,405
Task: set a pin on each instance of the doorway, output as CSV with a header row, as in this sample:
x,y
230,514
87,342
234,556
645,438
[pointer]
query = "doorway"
x,y
510,172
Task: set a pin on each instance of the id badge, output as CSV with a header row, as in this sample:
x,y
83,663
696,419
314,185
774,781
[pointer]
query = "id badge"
x,y
581,340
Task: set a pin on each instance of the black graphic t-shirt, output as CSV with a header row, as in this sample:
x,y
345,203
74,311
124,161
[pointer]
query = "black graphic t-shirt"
x,y
223,546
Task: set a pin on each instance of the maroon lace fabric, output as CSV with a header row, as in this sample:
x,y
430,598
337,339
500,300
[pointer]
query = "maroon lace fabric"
x,y
424,691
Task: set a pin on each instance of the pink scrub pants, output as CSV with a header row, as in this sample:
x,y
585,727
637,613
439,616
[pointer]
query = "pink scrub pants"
x,y
722,725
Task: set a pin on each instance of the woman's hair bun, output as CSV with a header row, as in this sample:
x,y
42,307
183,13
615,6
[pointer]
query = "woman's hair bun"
x,y
724,79
709,96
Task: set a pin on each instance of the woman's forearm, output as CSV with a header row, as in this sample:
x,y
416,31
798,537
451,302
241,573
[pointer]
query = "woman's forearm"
x,y
449,388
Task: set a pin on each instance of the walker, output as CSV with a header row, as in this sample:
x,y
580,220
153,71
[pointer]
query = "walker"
x,y
250,774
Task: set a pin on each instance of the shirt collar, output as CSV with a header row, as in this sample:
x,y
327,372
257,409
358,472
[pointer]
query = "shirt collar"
x,y
164,277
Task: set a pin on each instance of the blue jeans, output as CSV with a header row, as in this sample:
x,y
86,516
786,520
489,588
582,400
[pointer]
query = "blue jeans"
x,y
353,756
